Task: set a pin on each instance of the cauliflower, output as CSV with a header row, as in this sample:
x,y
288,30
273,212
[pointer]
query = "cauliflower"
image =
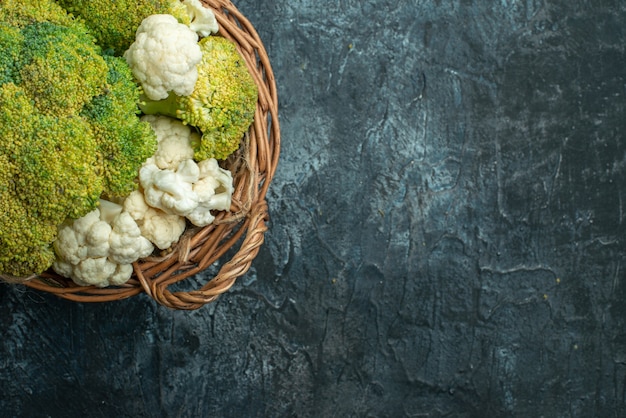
x,y
99,248
202,19
174,183
192,190
162,229
164,57
214,190
174,139
170,190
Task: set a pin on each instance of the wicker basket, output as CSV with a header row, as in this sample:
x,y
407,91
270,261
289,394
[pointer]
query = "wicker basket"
x,y
238,233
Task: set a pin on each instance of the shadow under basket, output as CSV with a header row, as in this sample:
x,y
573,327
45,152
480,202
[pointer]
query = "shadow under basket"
x,y
237,234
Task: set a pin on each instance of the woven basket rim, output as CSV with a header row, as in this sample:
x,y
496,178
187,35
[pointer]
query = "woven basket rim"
x,y
242,229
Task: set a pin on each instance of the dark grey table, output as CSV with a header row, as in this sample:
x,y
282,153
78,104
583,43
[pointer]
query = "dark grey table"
x,y
447,234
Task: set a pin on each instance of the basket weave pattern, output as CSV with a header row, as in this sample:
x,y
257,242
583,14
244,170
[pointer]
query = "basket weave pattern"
x,y
252,167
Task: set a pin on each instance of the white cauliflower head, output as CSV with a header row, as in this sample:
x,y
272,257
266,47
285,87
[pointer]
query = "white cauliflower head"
x,y
164,57
202,18
169,190
172,182
126,243
175,141
214,189
162,229
192,191
99,248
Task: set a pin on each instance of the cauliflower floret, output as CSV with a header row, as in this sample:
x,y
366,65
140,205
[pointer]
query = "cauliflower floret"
x,y
172,182
174,139
192,191
160,228
164,57
214,190
87,272
169,190
71,243
99,248
202,18
127,244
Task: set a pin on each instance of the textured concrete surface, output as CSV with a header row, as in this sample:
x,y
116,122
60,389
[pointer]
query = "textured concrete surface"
x,y
446,237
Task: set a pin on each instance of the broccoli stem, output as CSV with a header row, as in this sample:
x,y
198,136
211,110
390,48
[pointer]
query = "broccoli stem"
x,y
165,107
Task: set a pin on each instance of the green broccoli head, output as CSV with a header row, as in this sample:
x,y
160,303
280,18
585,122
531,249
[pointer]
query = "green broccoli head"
x,y
49,173
21,13
124,141
114,23
57,60
223,102
49,58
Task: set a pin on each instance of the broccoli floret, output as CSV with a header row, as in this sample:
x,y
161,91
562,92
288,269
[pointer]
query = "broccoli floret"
x,y
222,104
21,13
48,174
59,59
124,141
114,23
11,46
24,238
47,58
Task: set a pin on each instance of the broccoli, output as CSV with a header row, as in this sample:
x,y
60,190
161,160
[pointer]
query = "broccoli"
x,y
124,141
20,13
48,173
69,128
10,44
222,104
38,41
57,59
114,23
48,58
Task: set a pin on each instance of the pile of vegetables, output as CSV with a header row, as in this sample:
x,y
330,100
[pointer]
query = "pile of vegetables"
x,y
113,116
